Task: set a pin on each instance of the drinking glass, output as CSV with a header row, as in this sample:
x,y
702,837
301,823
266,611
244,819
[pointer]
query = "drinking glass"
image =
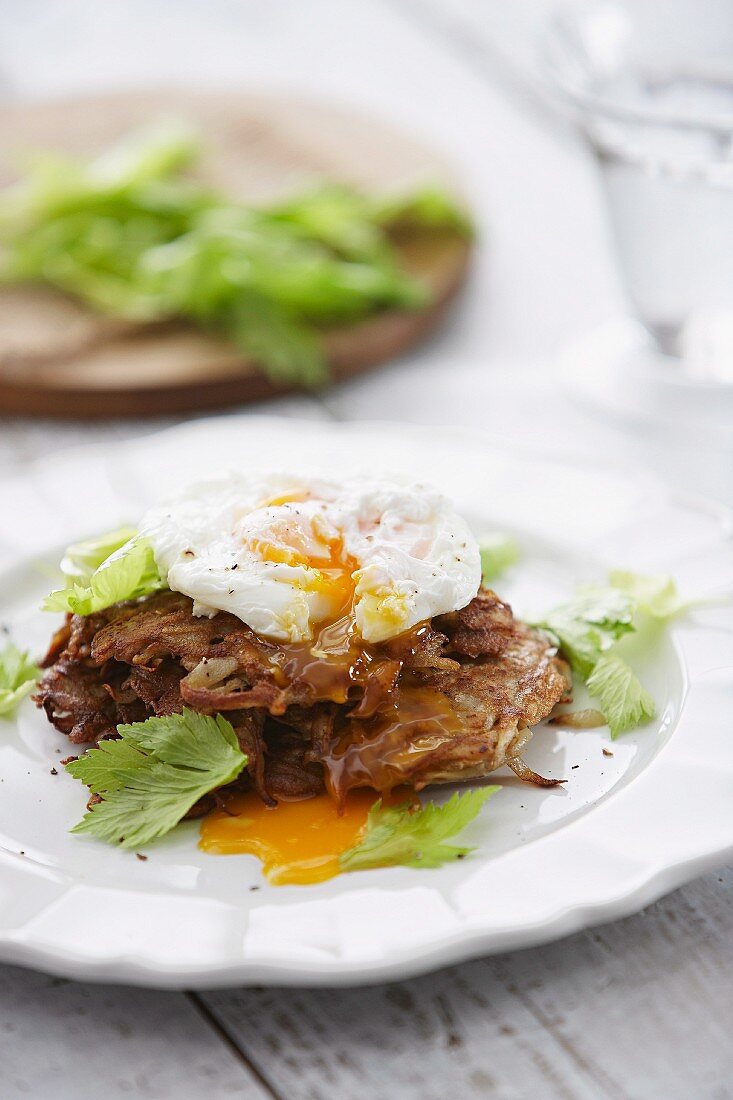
x,y
651,85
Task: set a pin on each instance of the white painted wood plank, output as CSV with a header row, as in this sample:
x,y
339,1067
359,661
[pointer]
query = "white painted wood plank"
x,y
638,1010
63,1041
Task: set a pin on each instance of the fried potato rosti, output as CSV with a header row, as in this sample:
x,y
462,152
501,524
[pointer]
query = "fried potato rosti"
x,y
453,699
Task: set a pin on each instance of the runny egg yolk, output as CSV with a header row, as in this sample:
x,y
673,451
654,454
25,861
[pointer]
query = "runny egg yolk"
x,y
298,842
330,574
290,496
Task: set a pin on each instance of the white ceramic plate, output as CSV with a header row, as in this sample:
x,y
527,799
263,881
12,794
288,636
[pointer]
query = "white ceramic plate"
x,y
625,829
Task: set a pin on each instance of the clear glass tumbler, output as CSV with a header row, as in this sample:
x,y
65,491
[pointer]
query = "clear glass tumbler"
x,y
651,84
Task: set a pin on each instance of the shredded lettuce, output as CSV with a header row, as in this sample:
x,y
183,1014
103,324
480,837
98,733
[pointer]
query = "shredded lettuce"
x,y
127,573
154,773
131,236
18,676
409,837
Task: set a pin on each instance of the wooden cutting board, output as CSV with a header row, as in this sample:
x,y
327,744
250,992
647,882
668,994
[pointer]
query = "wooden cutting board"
x,y
59,358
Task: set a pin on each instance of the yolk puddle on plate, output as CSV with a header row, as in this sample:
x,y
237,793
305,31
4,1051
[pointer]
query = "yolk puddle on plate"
x,y
298,842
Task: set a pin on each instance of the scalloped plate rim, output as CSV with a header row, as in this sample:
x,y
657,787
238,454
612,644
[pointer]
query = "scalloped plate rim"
x,y
653,879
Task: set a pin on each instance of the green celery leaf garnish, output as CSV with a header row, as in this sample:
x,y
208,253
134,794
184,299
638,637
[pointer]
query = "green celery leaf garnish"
x,y
403,836
84,558
270,336
230,253
588,625
127,574
339,218
587,629
18,675
154,153
653,595
498,553
623,701
152,776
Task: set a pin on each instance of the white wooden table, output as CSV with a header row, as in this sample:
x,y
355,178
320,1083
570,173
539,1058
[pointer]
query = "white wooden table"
x,y
637,1009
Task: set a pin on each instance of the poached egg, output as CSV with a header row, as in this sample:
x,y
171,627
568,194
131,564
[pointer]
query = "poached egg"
x,y
289,555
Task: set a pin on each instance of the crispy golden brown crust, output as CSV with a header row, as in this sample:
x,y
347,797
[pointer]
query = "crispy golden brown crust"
x,y
474,683
497,699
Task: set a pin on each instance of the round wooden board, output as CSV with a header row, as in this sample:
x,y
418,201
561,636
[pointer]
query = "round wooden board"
x,y
58,358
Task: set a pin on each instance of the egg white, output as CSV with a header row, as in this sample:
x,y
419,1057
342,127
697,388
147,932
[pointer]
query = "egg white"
x,y
256,547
